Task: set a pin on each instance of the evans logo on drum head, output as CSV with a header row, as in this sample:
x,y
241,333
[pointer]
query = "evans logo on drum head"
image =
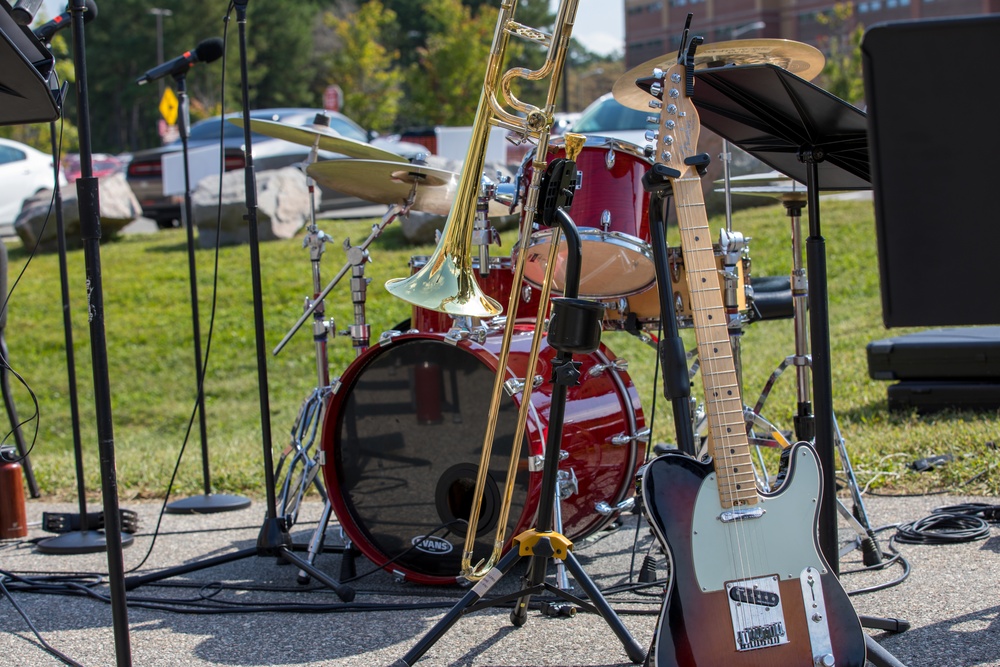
x,y
431,545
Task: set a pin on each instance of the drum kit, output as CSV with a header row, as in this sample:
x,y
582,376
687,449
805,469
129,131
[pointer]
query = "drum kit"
x,y
392,443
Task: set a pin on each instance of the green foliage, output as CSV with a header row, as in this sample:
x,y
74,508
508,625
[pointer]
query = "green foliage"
x,y
842,73
450,69
363,67
150,350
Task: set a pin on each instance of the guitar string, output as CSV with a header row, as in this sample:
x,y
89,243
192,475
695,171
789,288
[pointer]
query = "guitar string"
x,y
718,367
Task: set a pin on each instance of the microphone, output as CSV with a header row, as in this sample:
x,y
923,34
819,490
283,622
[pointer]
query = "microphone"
x,y
206,51
23,12
45,31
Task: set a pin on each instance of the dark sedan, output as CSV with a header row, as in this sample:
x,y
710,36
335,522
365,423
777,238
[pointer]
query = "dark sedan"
x,y
145,172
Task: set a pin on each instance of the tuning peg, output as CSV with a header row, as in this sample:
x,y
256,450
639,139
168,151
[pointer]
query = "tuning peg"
x,y
654,120
652,135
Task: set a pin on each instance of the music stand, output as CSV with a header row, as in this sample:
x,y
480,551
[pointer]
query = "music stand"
x,y
818,139
26,95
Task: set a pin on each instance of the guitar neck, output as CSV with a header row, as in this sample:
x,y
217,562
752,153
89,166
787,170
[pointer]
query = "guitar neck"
x,y
728,442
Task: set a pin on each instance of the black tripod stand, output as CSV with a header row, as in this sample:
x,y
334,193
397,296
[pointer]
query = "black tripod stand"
x,y
575,327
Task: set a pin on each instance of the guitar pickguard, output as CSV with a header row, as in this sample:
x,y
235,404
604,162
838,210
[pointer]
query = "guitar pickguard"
x,y
757,547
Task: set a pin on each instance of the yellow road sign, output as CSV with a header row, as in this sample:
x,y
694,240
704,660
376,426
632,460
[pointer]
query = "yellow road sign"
x,y
169,106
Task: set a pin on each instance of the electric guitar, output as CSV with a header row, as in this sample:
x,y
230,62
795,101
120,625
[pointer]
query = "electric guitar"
x,y
749,584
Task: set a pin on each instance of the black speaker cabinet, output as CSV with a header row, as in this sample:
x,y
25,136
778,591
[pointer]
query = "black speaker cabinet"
x,y
932,97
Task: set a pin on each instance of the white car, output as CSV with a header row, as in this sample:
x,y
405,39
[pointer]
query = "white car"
x,y
606,117
23,172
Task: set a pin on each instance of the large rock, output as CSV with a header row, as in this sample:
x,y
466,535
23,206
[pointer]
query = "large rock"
x,y
119,207
419,227
282,207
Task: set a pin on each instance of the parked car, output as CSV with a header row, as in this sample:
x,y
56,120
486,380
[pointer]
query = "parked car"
x,y
102,164
145,174
23,172
606,117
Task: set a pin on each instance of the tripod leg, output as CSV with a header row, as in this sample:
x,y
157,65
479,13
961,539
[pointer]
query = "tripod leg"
x,y
316,543
503,566
635,652
879,656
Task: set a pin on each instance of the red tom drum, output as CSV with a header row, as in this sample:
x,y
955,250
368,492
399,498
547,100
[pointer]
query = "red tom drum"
x,y
404,431
611,210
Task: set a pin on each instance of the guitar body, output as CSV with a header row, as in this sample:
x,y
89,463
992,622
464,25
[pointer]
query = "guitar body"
x,y
771,558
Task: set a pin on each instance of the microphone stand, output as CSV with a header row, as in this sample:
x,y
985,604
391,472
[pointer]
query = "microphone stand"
x,y
85,540
273,539
208,502
88,197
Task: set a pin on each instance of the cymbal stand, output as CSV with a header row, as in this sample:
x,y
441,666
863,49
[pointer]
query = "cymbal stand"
x,y
803,420
303,464
575,327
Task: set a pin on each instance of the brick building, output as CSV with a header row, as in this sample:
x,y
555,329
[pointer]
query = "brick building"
x,y
653,27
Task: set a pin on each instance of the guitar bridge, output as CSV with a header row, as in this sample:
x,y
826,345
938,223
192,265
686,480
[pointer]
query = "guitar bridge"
x,y
757,614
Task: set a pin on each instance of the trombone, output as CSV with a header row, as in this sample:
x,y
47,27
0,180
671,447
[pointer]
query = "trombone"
x,y
447,282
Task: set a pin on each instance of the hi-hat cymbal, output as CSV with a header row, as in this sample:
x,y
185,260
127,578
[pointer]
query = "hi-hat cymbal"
x,y
329,139
802,60
389,182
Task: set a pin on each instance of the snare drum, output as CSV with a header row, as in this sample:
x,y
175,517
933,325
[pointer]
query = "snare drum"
x,y
611,210
404,430
646,306
498,284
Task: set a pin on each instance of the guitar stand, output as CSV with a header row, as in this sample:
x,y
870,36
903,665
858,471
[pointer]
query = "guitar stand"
x,y
575,327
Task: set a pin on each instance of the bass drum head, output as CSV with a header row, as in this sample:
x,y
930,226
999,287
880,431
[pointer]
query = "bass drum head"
x,y
406,430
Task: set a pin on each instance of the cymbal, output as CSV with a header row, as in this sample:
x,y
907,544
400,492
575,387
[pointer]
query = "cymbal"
x,y
767,179
392,182
384,182
800,59
329,139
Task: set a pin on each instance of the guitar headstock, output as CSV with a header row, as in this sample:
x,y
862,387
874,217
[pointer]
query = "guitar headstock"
x,y
679,125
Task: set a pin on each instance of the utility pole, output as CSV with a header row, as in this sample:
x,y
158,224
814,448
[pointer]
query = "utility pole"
x,y
159,14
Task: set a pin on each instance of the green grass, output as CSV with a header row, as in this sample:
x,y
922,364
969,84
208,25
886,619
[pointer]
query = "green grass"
x,y
152,378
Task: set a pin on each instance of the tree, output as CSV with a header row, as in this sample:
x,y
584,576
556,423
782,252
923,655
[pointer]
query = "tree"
x,y
842,72
363,67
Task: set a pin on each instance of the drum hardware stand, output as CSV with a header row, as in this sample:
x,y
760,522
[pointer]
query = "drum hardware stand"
x,y
273,539
803,420
310,414
575,326
208,502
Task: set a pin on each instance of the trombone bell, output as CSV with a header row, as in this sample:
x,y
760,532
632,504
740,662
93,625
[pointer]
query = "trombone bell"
x,y
445,285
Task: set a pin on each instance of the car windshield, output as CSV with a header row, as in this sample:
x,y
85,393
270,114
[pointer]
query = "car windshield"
x,y
209,130
608,115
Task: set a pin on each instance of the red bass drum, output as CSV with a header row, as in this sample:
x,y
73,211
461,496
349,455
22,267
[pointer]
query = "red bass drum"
x,y
404,432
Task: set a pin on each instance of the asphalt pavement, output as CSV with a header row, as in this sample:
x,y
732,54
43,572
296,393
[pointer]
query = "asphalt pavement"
x,y
252,610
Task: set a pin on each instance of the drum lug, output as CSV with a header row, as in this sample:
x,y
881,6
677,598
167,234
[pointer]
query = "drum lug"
x,y
515,386
606,509
567,483
642,435
398,577
605,220
609,159
537,463
620,365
